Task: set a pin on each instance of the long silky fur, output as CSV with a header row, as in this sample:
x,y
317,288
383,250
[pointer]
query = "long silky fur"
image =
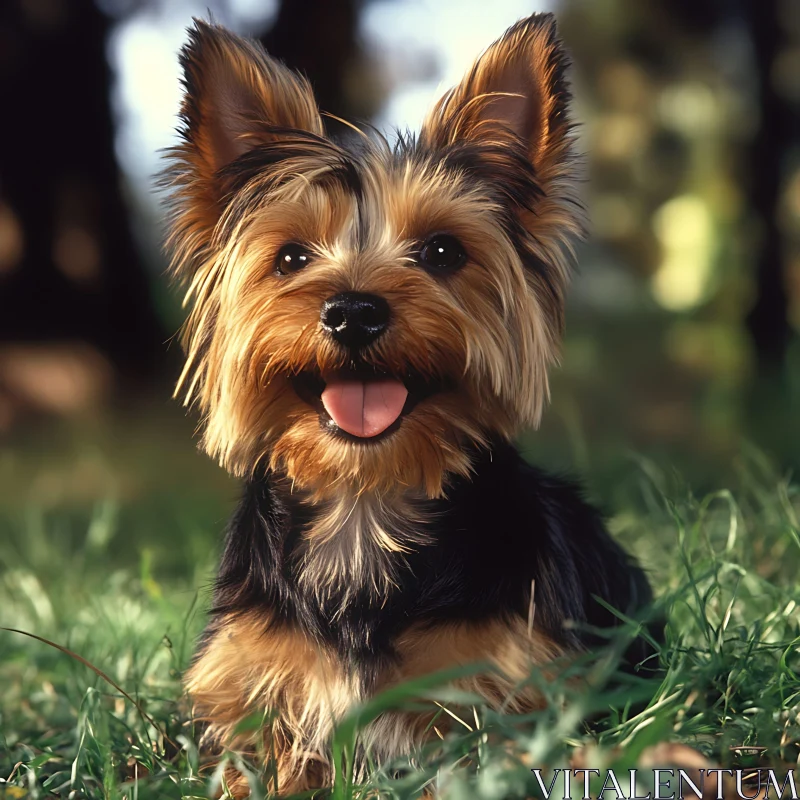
x,y
353,565
466,170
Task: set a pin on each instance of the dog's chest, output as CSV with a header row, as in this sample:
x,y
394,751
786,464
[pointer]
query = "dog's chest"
x,y
356,547
354,573
350,577
365,574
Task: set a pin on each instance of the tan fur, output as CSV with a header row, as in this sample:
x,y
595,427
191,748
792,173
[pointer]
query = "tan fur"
x,y
508,647
250,330
511,91
234,92
248,667
493,326
507,644
488,332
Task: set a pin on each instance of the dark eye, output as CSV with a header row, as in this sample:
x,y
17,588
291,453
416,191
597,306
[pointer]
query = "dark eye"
x,y
442,253
291,258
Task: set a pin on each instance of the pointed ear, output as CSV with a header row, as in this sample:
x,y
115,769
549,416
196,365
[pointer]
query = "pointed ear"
x,y
517,87
235,97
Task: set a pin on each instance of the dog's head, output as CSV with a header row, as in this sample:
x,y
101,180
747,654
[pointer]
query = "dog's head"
x,y
362,314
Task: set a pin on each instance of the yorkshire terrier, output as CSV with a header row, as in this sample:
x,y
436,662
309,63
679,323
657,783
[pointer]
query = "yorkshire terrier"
x,y
370,327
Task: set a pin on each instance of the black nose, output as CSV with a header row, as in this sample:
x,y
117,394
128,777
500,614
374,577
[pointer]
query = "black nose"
x,y
355,319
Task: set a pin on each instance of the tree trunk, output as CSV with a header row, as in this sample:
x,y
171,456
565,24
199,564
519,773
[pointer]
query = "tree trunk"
x,y
320,39
768,320
70,269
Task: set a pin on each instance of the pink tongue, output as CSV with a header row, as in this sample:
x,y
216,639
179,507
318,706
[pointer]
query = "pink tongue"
x,y
364,408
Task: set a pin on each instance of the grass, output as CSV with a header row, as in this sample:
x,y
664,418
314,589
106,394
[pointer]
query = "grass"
x,y
120,578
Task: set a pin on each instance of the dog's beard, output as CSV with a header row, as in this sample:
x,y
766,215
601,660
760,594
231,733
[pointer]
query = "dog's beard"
x,y
419,437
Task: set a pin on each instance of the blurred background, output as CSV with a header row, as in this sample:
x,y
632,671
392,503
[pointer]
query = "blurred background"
x,y
682,340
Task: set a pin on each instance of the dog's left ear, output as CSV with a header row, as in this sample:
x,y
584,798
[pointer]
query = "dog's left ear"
x,y
517,87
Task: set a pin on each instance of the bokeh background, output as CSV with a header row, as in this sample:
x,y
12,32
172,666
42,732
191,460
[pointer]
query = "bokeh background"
x,y
682,342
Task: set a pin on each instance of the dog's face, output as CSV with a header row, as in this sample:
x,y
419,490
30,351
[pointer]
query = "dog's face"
x,y
361,313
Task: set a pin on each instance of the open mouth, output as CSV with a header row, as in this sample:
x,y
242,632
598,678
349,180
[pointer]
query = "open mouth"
x,y
363,403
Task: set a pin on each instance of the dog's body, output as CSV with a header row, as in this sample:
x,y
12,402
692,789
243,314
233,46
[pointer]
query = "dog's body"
x,y
370,328
309,633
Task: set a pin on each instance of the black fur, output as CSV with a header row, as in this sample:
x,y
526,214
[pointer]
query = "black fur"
x,y
509,525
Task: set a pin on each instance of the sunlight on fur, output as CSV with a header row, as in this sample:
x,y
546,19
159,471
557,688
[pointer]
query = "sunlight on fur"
x,y
369,326
362,210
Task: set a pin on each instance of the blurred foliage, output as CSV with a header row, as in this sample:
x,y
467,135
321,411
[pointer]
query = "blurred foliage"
x,y
689,286
674,122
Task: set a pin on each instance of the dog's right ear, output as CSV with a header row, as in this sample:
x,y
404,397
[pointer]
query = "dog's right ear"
x,y
236,98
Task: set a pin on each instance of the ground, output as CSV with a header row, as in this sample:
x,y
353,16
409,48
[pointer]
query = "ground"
x,y
108,542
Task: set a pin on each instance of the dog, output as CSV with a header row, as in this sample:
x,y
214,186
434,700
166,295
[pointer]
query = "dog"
x,y
371,325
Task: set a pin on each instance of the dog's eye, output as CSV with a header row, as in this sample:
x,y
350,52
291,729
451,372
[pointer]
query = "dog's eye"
x,y
291,258
442,253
